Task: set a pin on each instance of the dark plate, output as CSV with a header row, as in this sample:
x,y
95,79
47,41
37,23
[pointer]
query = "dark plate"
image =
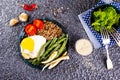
x,y
23,35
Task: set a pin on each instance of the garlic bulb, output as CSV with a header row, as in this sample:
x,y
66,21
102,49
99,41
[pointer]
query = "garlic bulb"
x,y
23,17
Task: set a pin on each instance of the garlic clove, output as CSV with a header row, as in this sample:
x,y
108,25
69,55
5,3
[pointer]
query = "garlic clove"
x,y
13,22
23,17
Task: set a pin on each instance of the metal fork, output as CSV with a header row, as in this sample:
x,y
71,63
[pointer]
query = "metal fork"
x,y
116,35
106,41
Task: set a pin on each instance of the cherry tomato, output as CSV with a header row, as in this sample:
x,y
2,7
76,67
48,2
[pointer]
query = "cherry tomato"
x,y
30,29
38,23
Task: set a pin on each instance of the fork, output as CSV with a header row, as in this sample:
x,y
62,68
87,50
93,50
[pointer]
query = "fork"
x,y
116,35
106,41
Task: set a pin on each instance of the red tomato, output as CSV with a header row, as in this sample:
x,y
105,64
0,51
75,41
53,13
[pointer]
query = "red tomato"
x,y
30,29
38,23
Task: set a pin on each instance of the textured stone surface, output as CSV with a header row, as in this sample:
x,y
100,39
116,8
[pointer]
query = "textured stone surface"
x,y
78,67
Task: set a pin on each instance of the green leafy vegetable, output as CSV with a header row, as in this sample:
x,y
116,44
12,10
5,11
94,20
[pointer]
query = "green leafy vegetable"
x,y
106,17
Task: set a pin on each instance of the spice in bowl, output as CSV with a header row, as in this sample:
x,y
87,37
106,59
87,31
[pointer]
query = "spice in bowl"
x,y
83,47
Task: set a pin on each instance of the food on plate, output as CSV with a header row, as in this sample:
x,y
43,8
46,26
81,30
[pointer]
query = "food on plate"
x,y
43,28
59,46
50,30
44,42
56,61
30,46
30,29
23,17
51,57
83,47
38,23
13,21
105,17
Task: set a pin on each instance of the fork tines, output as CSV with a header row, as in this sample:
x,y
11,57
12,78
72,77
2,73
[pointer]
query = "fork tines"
x,y
116,35
104,34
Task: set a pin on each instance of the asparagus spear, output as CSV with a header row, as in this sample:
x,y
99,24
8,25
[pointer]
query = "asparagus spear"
x,y
52,47
62,47
55,49
52,42
42,50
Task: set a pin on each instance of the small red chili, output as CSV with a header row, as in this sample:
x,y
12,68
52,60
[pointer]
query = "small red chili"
x,y
34,6
30,29
29,7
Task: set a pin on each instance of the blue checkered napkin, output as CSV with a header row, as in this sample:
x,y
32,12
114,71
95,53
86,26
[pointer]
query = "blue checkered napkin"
x,y
85,20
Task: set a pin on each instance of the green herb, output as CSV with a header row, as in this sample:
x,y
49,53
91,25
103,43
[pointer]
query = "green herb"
x,y
106,17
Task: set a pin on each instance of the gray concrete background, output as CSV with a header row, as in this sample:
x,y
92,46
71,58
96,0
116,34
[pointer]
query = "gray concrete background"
x,y
92,67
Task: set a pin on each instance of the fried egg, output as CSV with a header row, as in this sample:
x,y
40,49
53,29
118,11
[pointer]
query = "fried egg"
x,y
30,46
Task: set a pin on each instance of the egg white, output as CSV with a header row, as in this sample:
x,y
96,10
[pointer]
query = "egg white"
x,y
39,41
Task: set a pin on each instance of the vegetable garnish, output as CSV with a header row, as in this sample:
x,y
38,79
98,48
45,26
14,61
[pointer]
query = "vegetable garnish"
x,y
56,61
29,7
30,30
51,57
106,17
38,23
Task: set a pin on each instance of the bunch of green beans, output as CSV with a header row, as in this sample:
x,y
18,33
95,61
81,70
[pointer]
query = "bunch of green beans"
x,y
56,44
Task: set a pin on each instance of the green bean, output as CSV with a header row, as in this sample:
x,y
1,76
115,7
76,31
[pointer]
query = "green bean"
x,y
55,49
42,50
62,47
52,42
52,47
29,60
59,45
33,61
63,35
61,40
48,42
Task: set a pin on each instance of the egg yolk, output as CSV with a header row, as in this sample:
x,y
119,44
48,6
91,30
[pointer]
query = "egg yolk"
x,y
28,44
